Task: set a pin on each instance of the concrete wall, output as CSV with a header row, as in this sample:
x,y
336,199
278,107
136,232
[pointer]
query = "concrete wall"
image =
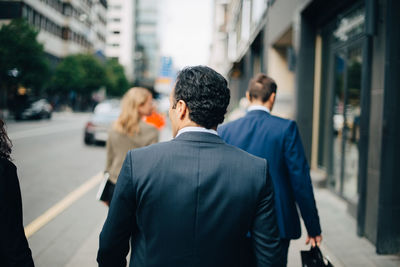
x,y
278,69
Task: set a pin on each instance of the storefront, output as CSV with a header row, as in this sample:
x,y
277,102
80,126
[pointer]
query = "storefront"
x,y
343,42
347,87
340,63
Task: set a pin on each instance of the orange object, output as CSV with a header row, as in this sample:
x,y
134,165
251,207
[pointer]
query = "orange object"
x,y
156,120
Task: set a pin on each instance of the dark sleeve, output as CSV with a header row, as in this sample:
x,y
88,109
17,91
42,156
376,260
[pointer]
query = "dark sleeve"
x,y
14,245
265,233
117,230
299,173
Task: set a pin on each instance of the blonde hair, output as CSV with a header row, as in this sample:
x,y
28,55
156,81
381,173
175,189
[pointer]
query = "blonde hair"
x,y
129,118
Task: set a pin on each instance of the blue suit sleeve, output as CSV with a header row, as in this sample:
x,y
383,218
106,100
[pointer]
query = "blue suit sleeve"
x,y
265,233
117,230
299,173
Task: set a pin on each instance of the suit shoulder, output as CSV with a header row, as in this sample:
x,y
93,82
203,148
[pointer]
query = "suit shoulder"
x,y
283,123
281,120
153,148
228,125
244,155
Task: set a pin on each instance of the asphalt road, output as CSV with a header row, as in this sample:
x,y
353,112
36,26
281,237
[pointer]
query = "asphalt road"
x,y
52,162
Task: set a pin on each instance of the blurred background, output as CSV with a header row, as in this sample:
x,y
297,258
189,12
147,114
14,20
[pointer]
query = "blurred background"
x,y
64,65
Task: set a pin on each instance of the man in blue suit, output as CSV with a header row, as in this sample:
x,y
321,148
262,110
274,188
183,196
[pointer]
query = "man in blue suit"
x,y
277,140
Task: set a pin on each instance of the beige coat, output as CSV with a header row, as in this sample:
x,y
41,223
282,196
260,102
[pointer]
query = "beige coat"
x,y
119,144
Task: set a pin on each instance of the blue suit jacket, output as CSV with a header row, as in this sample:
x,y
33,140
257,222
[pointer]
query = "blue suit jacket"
x,y
278,141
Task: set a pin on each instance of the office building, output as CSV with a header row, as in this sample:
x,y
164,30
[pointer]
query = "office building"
x,y
336,64
65,27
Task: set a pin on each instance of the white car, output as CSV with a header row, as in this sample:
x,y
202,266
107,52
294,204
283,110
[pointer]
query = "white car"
x,y
96,129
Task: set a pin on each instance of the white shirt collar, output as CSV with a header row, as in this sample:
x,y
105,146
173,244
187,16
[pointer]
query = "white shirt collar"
x,y
196,129
258,107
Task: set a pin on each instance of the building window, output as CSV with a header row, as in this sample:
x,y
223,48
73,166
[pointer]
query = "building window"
x,y
24,12
67,10
65,33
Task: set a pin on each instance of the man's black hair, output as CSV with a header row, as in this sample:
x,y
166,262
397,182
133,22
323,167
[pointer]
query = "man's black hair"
x,y
205,93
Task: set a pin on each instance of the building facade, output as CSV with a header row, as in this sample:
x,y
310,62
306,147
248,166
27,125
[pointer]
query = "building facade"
x,y
65,27
120,34
132,38
336,64
147,57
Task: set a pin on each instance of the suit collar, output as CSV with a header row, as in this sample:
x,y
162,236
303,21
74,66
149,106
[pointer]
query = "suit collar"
x,y
259,107
257,113
196,129
199,137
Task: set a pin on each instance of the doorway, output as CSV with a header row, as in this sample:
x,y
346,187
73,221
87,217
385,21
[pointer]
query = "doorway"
x,y
344,39
346,86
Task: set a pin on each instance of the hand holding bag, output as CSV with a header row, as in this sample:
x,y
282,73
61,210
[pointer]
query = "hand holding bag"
x,y
314,258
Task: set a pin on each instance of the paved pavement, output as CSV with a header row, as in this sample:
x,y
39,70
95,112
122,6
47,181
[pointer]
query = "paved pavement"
x,y
340,242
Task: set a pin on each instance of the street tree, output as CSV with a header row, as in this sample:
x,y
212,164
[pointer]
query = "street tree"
x,y
117,84
22,59
78,76
68,76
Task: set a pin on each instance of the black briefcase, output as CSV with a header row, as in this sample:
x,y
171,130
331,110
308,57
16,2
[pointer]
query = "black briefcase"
x,y
314,258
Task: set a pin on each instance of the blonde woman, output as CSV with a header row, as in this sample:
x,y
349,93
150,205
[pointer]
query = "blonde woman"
x,y
129,131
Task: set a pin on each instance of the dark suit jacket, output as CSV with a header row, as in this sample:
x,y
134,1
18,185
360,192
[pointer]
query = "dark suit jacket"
x,y
14,249
278,141
190,202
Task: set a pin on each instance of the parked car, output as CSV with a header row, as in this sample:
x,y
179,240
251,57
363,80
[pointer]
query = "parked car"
x,y
104,114
40,109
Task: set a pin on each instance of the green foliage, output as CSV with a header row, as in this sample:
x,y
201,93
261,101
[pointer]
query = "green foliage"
x,y
117,84
20,50
24,62
94,74
81,73
68,75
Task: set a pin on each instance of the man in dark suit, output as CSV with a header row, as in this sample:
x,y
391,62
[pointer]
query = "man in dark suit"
x,y
278,141
192,200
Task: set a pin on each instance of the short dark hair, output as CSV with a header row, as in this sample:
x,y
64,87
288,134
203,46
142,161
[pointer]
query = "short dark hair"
x,y
261,87
205,93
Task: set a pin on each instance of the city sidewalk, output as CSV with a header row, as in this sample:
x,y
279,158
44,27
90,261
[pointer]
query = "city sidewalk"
x,y
340,244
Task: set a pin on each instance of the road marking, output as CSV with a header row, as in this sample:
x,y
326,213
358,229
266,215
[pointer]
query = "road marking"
x,y
43,131
62,205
